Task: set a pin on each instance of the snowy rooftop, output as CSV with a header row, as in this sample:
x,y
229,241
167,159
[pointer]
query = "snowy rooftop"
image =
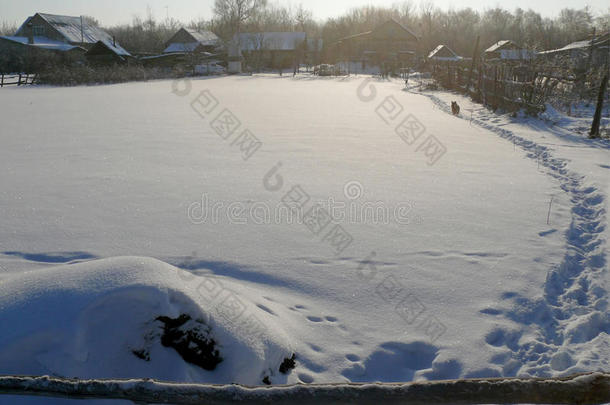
x,y
499,45
197,38
77,30
204,37
436,53
273,41
114,47
570,47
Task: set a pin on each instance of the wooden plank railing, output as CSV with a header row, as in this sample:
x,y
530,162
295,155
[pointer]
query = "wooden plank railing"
x,y
589,388
19,79
512,85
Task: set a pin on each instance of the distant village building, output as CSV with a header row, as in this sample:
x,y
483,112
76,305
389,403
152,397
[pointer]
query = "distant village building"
x,y
187,40
506,50
61,34
390,47
276,50
595,50
103,53
443,53
71,30
187,49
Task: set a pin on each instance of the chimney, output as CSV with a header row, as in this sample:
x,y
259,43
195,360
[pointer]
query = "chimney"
x,y
30,33
114,41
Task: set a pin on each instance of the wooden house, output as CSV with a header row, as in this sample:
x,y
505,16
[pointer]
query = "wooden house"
x,y
506,50
390,46
65,38
70,30
443,53
594,50
274,50
191,41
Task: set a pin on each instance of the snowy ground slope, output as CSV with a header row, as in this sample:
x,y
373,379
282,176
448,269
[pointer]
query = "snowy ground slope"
x,y
87,319
457,270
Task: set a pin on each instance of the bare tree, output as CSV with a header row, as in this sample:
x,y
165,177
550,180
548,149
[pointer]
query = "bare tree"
x,y
7,28
91,21
237,12
302,17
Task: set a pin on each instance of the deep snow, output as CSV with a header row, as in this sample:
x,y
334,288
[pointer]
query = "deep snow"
x,y
464,271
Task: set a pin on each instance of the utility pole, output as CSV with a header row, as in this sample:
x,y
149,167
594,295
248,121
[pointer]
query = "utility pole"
x,y
474,61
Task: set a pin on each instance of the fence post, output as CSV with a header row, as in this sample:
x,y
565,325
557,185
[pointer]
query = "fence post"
x,y
598,111
2,81
19,82
480,84
474,60
531,98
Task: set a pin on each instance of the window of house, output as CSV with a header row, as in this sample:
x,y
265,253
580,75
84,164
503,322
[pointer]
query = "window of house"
x,y
38,30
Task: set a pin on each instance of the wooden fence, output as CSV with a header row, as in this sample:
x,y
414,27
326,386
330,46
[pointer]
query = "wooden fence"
x,y
513,85
589,388
20,79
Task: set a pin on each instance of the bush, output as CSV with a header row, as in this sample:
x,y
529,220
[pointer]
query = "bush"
x,y
82,74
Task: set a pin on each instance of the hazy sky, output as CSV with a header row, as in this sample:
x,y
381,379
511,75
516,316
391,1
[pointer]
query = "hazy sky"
x,y
110,12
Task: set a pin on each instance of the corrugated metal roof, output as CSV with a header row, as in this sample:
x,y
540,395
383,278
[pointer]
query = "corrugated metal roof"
x,y
204,37
75,32
272,41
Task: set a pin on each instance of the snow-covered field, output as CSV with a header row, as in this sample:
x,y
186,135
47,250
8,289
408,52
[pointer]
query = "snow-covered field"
x,y
441,246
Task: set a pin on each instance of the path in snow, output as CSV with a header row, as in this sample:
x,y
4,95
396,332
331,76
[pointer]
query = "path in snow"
x,y
574,309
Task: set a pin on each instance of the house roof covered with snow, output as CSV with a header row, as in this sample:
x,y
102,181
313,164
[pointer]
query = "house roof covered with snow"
x,y
272,41
574,46
584,45
501,45
188,40
203,37
443,52
74,30
105,47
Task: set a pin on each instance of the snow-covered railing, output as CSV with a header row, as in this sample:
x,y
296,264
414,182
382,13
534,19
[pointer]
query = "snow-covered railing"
x,y
591,388
18,79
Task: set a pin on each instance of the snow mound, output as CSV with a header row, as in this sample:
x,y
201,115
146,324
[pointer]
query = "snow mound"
x,y
131,317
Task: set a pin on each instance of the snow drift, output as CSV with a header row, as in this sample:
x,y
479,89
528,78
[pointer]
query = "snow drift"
x,y
136,317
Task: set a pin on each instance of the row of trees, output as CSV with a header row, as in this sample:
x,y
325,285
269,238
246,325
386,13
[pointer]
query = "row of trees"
x,y
457,28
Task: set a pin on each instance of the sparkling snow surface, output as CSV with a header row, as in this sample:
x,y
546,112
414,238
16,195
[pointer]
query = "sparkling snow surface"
x,y
464,271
